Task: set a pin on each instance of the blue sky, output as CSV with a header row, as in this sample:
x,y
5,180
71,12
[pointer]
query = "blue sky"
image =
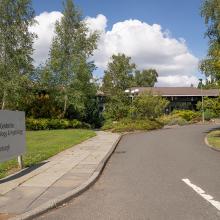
x,y
181,18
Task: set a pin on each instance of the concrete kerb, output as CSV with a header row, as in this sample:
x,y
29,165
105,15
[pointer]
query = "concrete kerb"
x,y
71,194
209,145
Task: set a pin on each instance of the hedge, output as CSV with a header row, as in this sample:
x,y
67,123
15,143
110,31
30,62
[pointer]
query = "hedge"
x,y
52,124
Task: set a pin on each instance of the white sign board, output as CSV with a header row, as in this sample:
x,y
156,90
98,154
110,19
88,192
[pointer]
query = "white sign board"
x,y
12,134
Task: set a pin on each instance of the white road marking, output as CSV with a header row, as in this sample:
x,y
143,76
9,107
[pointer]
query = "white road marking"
x,y
202,193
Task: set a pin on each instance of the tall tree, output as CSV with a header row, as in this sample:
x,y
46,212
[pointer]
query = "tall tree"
x,y
119,75
16,16
146,78
211,64
71,48
210,10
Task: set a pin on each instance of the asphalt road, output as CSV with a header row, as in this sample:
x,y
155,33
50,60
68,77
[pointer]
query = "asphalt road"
x,y
143,180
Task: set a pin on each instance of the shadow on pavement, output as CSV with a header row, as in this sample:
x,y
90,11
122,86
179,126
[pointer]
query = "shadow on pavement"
x,y
22,173
212,129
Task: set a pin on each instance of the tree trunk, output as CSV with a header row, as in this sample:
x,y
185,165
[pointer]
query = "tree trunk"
x,y
65,105
3,100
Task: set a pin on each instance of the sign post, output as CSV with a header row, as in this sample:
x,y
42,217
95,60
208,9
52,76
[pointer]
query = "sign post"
x,y
12,135
20,162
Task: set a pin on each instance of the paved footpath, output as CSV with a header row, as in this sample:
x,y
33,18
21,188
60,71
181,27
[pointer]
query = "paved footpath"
x,y
58,176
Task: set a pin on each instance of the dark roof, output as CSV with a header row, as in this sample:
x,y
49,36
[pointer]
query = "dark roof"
x,y
178,91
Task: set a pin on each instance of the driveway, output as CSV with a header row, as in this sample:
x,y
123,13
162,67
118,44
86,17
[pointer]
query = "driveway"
x,y
167,174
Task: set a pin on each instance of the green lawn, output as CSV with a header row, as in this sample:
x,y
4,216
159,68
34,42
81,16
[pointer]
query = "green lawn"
x,y
43,144
214,139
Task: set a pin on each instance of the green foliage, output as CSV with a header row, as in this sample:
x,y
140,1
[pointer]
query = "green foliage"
x,y
119,75
177,121
42,104
51,124
142,111
42,145
93,116
209,84
69,69
210,11
209,114
211,64
180,117
64,87
117,108
146,78
211,106
148,106
108,124
173,120
188,115
126,124
15,50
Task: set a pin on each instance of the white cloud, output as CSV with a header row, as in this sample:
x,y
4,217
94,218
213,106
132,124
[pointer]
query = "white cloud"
x,y
99,23
148,45
177,80
45,31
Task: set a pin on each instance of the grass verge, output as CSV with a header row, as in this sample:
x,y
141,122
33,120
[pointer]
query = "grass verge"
x,y
42,145
214,139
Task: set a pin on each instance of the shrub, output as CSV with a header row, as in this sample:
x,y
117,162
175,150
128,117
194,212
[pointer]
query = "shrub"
x,y
85,125
211,106
126,124
209,114
36,124
187,115
117,108
52,124
180,117
75,123
177,121
172,120
108,125
58,124
148,106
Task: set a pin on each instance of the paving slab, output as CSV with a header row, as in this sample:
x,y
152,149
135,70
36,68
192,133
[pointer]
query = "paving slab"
x,y
57,176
